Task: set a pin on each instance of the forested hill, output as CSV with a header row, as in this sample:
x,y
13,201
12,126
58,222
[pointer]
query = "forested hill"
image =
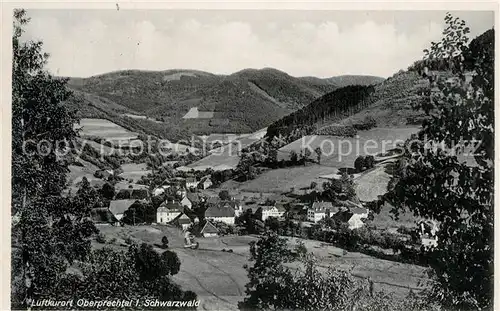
x,y
386,104
339,103
242,102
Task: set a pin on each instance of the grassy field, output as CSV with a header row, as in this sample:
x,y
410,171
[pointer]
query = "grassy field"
x,y
219,278
342,152
76,174
283,179
105,129
227,156
134,171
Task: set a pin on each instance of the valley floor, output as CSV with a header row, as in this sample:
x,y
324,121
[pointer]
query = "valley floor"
x,y
219,279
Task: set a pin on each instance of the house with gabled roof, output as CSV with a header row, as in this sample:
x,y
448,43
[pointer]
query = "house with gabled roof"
x,y
359,214
168,211
320,210
209,230
275,211
221,212
205,182
119,207
182,221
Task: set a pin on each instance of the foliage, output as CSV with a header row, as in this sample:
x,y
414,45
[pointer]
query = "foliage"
x,y
224,195
108,191
52,231
368,123
436,185
274,285
339,189
359,163
336,104
138,213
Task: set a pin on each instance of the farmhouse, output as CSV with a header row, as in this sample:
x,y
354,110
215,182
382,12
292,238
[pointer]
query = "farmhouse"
x,y
272,211
209,230
320,210
168,211
358,215
191,182
221,212
182,221
194,113
119,207
205,183
234,204
102,216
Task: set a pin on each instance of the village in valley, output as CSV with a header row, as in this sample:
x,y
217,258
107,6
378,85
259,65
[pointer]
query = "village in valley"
x,y
256,189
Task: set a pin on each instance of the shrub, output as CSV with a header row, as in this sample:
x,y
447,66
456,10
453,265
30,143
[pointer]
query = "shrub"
x,y
369,161
338,130
101,238
368,123
359,163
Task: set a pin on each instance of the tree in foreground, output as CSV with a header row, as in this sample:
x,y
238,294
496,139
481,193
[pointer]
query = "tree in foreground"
x,y
51,252
285,278
436,185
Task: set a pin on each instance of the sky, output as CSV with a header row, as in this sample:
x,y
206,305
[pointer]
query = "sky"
x,y
83,43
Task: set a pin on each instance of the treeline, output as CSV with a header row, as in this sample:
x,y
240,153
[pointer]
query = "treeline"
x,y
338,104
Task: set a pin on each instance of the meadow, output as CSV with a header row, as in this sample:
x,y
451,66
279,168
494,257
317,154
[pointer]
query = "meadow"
x,y
219,279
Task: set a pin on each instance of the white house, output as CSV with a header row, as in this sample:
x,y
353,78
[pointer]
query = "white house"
x,y
221,212
209,230
186,202
205,183
191,182
182,221
428,231
358,215
320,210
271,211
168,211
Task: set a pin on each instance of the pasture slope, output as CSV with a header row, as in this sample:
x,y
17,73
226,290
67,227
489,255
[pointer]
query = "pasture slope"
x,y
219,278
339,153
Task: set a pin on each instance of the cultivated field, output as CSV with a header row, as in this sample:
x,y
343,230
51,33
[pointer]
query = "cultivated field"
x,y
227,156
105,129
219,278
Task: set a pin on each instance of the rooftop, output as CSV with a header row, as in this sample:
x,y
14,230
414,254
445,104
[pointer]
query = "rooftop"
x,y
120,206
219,211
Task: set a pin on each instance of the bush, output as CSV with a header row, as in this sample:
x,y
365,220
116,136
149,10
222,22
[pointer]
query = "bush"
x,y
101,238
369,161
129,241
359,163
368,123
338,130
112,241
